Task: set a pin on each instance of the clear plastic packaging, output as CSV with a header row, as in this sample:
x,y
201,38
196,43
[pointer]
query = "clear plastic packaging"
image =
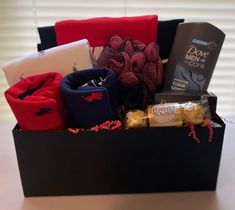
x,y
136,119
179,114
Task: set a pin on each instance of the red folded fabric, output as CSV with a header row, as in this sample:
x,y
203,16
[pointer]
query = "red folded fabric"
x,y
99,30
36,102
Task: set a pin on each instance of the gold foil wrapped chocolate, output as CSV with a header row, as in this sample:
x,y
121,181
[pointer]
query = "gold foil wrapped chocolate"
x,y
175,114
192,113
136,119
166,114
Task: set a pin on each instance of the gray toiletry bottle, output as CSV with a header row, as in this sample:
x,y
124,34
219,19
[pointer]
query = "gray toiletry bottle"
x,y
193,57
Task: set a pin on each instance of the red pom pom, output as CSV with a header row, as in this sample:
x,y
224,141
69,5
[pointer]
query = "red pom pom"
x,y
132,60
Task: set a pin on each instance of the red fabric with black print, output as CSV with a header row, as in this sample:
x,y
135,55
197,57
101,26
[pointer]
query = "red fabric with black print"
x,y
99,30
36,102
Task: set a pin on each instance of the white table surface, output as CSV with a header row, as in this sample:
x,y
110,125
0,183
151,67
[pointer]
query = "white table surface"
x,y
12,198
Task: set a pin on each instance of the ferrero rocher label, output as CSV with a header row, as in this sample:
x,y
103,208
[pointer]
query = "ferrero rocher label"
x,y
162,115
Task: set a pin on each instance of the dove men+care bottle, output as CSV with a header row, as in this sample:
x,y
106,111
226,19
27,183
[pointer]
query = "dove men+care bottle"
x,y
193,57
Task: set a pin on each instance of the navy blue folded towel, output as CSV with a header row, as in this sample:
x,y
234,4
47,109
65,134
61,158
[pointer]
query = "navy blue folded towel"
x,y
90,97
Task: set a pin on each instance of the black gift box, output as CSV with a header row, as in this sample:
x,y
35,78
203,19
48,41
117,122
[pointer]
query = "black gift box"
x,y
121,161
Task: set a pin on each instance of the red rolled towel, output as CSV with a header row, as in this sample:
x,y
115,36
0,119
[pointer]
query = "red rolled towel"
x,y
99,30
37,103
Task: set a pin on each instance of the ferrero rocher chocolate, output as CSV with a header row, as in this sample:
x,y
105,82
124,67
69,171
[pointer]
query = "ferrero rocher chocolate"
x,y
162,115
136,119
192,113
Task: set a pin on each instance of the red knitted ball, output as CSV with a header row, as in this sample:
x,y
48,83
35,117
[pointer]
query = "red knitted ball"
x,y
137,61
150,71
116,66
127,62
160,73
129,48
115,42
128,79
138,45
149,83
151,52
